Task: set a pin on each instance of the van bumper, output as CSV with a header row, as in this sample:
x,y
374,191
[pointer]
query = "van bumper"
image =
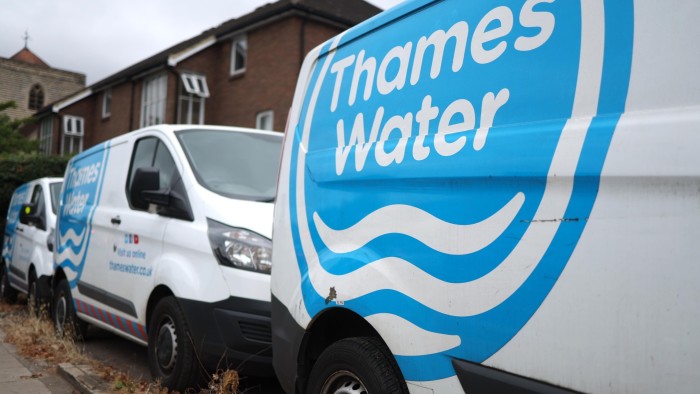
x,y
287,337
231,334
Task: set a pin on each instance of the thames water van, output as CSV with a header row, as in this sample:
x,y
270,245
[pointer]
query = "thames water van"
x,y
494,196
27,250
163,237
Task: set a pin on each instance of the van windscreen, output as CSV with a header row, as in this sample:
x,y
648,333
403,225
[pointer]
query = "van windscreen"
x,y
234,164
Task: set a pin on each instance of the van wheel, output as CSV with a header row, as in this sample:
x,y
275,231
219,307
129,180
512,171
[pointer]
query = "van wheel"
x,y
64,317
171,357
354,366
6,291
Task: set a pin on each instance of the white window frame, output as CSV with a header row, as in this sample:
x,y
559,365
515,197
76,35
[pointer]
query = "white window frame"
x,y
153,100
186,109
46,135
194,90
237,69
260,119
195,84
73,127
107,103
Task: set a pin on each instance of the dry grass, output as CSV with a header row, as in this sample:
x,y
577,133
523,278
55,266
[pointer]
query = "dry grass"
x,y
34,337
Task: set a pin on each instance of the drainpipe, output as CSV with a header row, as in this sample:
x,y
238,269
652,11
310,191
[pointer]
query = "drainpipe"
x,y
131,107
302,39
177,94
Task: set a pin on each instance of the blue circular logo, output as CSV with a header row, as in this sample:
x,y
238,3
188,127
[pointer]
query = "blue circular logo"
x,y
444,168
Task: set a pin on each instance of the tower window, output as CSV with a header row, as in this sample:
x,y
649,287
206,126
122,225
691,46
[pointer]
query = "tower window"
x,y
36,97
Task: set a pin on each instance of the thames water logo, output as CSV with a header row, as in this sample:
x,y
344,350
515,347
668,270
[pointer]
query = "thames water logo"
x,y
443,175
81,194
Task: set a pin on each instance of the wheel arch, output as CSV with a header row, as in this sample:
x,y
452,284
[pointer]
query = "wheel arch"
x,y
328,327
57,276
158,293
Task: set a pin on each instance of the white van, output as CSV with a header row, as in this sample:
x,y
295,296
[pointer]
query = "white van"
x,y
27,249
494,196
163,237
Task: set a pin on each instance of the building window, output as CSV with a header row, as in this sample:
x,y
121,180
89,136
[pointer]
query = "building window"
x,y
107,103
264,120
36,97
191,103
45,134
239,55
72,135
153,99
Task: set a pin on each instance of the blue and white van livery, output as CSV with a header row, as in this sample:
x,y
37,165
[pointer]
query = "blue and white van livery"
x,y
493,197
163,237
27,251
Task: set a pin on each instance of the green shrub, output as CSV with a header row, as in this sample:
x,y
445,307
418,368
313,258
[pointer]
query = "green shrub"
x,y
18,169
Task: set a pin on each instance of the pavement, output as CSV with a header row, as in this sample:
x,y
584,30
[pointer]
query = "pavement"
x,y
19,375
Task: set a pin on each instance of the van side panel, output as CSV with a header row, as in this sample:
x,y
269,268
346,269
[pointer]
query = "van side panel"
x,y
19,197
475,180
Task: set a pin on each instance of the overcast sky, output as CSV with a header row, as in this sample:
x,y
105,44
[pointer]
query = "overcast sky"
x,y
101,37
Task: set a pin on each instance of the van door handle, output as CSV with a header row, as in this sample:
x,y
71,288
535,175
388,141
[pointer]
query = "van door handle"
x,y
20,229
116,220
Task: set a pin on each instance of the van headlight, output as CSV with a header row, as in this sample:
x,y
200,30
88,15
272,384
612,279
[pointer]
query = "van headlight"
x,y
240,248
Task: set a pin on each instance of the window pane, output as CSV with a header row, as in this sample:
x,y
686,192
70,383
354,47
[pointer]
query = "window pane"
x,y
196,109
55,190
143,156
184,110
153,100
36,194
165,163
239,53
243,165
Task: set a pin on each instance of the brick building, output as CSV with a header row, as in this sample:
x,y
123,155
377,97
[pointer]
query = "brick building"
x,y
241,73
31,83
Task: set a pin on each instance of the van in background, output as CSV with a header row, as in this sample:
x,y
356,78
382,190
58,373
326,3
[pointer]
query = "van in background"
x,y
27,250
163,237
494,197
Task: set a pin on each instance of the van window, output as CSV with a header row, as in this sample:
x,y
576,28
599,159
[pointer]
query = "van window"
x,y
55,190
38,199
151,152
238,165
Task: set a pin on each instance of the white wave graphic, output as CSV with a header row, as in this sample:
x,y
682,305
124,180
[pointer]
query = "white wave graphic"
x,y
67,252
72,236
421,225
413,340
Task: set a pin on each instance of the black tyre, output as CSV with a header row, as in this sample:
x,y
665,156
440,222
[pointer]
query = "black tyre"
x,y
33,302
171,355
354,366
6,291
64,317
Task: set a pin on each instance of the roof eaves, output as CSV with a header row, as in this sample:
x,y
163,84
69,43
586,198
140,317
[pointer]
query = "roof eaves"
x,y
177,57
70,100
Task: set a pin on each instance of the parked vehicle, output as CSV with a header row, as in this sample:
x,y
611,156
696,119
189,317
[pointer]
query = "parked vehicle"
x,y
27,250
494,197
164,239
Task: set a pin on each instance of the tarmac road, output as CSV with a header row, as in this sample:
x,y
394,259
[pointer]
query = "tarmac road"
x,y
130,357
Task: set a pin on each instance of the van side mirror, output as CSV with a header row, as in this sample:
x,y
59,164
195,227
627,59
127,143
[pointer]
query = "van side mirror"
x,y
31,214
145,179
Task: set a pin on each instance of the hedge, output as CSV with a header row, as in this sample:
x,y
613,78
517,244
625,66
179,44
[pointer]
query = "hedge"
x,y
18,169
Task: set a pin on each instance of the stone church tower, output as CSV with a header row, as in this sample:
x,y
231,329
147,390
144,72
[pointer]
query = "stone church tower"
x,y
31,83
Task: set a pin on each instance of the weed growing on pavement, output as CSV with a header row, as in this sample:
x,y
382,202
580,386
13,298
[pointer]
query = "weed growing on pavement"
x,y
34,336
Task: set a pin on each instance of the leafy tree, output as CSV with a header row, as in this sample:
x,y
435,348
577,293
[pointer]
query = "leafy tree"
x,y
11,141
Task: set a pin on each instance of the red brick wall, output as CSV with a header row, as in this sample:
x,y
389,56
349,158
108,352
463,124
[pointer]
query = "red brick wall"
x,y
275,53
274,60
117,122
